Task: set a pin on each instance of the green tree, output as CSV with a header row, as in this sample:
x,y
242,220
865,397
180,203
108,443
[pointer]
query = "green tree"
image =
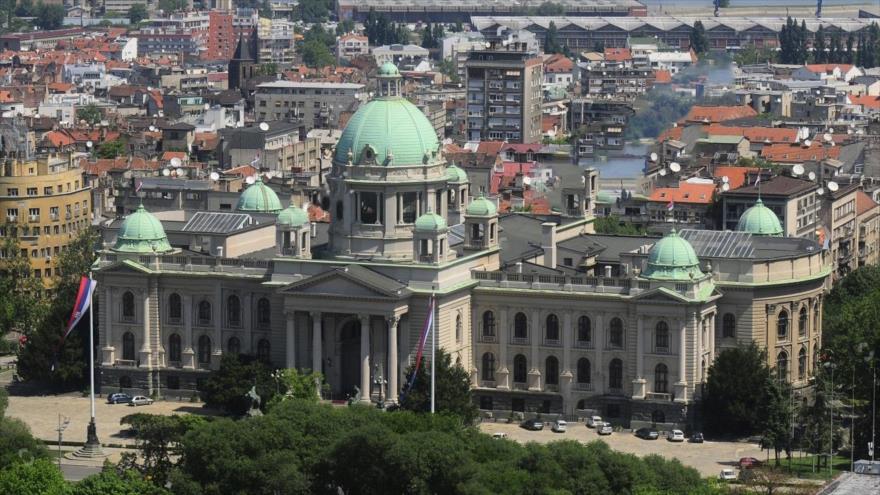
x,y
90,113
16,442
735,392
110,482
551,43
315,11
776,431
345,26
452,389
293,384
317,54
267,69
40,477
21,304
550,9
428,40
112,149
698,40
226,388
49,16
158,437
614,226
837,53
172,5
25,8
137,13
850,41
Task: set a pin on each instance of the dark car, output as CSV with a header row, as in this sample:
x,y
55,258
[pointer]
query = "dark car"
x,y
647,434
532,424
118,398
696,438
749,463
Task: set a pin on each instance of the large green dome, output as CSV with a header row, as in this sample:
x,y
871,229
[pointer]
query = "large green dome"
x,y
759,220
292,216
430,222
481,207
259,198
388,69
672,258
141,232
383,124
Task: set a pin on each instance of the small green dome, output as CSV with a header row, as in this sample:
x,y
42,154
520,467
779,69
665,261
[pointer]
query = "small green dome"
x,y
759,220
292,216
142,232
604,198
383,124
481,207
455,175
259,198
388,69
672,258
430,222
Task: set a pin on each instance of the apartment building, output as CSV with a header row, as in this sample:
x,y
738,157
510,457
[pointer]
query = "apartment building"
x,y
795,202
311,104
350,46
275,41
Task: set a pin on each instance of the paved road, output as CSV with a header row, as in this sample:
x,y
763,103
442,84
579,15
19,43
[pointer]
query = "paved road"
x,y
76,473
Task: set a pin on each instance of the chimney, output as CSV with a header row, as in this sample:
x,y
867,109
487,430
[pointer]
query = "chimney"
x,y
548,243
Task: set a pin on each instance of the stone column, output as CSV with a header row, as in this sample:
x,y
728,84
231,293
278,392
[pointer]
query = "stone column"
x,y
189,355
712,339
640,384
316,347
565,378
534,378
392,372
681,384
599,366
365,357
145,345
247,311
502,376
108,351
290,341
218,328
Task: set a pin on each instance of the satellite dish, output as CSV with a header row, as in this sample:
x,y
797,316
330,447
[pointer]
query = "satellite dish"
x,y
215,176
725,179
527,180
675,167
89,144
812,175
831,130
264,126
250,180
181,172
821,191
725,187
827,137
807,143
832,186
152,128
175,162
662,171
653,157
166,172
798,169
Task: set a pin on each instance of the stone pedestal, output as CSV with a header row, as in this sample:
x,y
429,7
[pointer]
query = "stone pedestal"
x,y
535,380
92,448
501,379
108,357
639,388
144,356
681,392
189,359
216,357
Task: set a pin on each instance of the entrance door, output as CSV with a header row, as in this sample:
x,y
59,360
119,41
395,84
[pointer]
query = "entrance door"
x,y
350,358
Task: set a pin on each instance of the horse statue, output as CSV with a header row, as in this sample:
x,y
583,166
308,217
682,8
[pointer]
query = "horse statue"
x,y
255,402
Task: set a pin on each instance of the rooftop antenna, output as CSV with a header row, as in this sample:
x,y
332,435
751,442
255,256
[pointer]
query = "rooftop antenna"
x,y
818,9
717,4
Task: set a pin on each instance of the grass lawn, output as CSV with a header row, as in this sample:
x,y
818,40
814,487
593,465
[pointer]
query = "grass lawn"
x,y
803,466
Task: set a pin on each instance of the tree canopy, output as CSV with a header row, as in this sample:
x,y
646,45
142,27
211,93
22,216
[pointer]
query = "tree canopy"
x,y
735,392
452,389
699,42
137,13
49,16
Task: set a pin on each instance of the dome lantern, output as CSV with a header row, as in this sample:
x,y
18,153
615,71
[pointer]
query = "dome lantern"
x,y
141,232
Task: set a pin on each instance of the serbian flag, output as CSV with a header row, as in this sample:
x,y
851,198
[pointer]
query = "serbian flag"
x,y
671,205
429,323
83,299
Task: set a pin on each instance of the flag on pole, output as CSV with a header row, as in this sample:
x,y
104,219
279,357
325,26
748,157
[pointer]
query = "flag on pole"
x,y
138,185
758,179
671,205
83,300
256,159
429,323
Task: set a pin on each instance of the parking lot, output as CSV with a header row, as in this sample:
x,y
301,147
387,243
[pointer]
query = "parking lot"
x,y
708,458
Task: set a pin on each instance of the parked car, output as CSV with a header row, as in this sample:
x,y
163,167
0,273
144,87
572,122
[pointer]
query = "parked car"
x,y
499,435
696,438
559,426
532,424
748,463
675,436
605,429
647,434
118,398
594,421
727,475
140,400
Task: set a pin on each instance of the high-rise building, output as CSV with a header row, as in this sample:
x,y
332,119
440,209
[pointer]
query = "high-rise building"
x,y
504,94
221,36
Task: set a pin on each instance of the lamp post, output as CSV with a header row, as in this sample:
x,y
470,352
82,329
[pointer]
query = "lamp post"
x,y
870,359
380,382
63,421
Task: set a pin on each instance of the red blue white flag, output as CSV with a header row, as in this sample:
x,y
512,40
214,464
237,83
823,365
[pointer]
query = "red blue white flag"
x,y
671,205
83,300
429,323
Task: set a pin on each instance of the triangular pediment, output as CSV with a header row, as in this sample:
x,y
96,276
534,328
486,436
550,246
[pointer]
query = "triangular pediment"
x,y
661,295
348,281
124,266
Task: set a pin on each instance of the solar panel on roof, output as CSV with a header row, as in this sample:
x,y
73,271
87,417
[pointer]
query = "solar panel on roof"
x,y
720,244
216,222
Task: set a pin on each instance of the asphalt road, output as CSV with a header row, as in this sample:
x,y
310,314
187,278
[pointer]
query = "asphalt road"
x,y
76,473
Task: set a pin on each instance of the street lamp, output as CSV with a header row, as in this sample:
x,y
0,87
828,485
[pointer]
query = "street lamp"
x,y
63,421
870,359
380,382
831,366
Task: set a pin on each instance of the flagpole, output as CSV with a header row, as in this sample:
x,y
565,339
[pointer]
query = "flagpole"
x,y
433,347
92,447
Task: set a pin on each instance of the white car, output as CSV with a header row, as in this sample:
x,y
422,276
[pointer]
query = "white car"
x,y
140,400
559,426
594,421
675,436
727,475
499,435
605,429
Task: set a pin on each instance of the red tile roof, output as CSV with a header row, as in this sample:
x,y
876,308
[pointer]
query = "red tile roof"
x,y
662,76
490,147
557,63
828,68
101,167
685,193
671,133
736,176
618,54
864,203
785,153
521,147
755,134
168,155
718,113
241,171
866,101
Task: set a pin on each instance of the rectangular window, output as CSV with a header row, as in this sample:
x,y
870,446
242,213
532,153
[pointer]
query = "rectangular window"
x,y
12,214
47,190
12,191
369,207
32,191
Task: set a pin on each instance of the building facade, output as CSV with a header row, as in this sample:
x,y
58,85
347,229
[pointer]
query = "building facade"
x,y
311,104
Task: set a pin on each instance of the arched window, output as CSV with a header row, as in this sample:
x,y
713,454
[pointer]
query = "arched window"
x,y
174,348
615,337
233,346
782,325
520,326
802,364
551,370
458,328
583,371
585,333
802,322
782,365
661,337
815,357
520,372
615,374
204,313
175,308
728,326
488,324
127,306
661,379
204,349
264,351
233,311
488,366
264,312
582,404
552,327
128,346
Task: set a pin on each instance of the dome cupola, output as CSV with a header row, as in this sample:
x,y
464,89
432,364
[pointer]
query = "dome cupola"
x,y
258,198
672,258
142,232
430,222
759,220
292,216
456,175
481,207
